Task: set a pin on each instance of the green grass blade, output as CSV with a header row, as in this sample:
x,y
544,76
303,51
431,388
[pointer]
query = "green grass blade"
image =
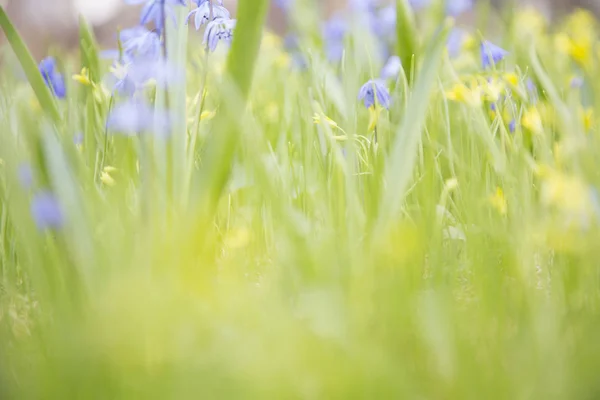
x,y
240,69
43,94
89,50
401,162
406,32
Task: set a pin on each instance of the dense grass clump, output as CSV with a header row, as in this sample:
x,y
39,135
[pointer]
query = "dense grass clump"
x,y
230,220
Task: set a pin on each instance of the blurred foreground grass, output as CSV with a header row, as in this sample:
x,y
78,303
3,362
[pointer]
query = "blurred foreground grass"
x,y
285,242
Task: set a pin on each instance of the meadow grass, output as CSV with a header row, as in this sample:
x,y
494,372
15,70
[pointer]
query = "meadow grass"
x,y
285,242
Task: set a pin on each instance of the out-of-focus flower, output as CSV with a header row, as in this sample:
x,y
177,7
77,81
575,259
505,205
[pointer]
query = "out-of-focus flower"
x,y
284,5
156,11
78,139
587,118
374,92
134,116
461,93
140,43
46,211
392,68
384,22
219,30
334,32
576,82
106,177
532,120
25,175
512,126
453,7
498,201
202,14
54,79
491,54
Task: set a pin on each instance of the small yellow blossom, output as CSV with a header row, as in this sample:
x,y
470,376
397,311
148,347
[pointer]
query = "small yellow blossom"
x,y
498,201
587,118
320,118
207,115
567,193
511,78
83,77
533,121
105,176
451,184
463,94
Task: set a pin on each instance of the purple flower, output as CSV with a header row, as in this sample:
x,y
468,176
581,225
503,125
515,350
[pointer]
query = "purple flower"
x,y
140,43
512,126
78,139
576,82
285,5
156,11
25,175
384,22
334,32
54,80
134,116
455,42
392,68
46,211
219,30
374,92
491,54
202,13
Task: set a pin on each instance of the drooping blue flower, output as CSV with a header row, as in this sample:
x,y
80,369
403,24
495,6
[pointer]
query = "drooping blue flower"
x,y
25,175
54,79
135,116
374,92
203,12
140,43
392,68
491,54
219,30
46,211
157,11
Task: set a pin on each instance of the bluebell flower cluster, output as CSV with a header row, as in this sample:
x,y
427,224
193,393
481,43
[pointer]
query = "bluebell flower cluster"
x,y
53,78
218,21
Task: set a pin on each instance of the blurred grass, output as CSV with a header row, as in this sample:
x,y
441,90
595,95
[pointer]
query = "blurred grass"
x,y
449,258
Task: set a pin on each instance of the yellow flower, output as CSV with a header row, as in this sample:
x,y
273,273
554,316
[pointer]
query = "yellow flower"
x,y
320,118
498,201
530,21
105,176
587,118
492,89
463,94
207,115
533,121
566,193
511,78
83,77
